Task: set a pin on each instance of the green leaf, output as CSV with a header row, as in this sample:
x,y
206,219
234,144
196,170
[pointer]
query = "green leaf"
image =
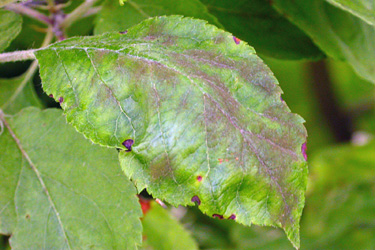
x,y
342,194
364,9
162,232
338,33
65,192
114,17
10,26
203,110
16,94
269,32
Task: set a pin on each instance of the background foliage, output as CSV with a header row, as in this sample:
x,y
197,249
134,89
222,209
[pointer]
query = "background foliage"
x,y
322,54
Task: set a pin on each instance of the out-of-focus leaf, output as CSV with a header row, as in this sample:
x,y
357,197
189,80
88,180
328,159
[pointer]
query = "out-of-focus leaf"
x,y
338,33
114,17
203,111
163,232
10,26
269,32
342,196
16,94
259,238
61,192
364,9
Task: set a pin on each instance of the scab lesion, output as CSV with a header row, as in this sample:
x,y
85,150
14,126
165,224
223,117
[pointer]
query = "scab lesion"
x,y
128,144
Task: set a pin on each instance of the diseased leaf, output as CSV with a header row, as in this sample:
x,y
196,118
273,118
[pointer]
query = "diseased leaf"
x,y
338,33
199,112
10,26
269,32
16,94
364,9
65,192
114,17
162,232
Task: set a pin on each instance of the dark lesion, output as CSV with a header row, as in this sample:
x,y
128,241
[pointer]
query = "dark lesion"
x,y
128,144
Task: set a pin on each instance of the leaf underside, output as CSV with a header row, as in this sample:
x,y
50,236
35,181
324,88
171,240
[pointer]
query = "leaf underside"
x,y
62,192
203,110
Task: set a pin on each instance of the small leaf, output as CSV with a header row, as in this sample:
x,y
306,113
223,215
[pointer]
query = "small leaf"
x,y
204,114
364,9
16,94
338,33
269,32
161,231
112,17
65,192
10,26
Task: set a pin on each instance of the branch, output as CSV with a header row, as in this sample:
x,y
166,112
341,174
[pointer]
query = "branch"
x,y
30,72
77,13
18,8
21,55
338,122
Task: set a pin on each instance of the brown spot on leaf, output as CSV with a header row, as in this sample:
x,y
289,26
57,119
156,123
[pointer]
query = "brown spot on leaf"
x,y
303,149
27,216
196,199
232,217
236,40
220,217
128,144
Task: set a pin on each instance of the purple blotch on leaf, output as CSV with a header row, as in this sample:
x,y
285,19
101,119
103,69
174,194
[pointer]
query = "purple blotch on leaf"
x,y
281,99
61,99
51,95
303,149
128,144
199,178
123,32
236,40
196,199
232,217
218,216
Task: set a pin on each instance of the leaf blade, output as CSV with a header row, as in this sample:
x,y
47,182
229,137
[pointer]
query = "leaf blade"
x,y
65,198
176,103
10,27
